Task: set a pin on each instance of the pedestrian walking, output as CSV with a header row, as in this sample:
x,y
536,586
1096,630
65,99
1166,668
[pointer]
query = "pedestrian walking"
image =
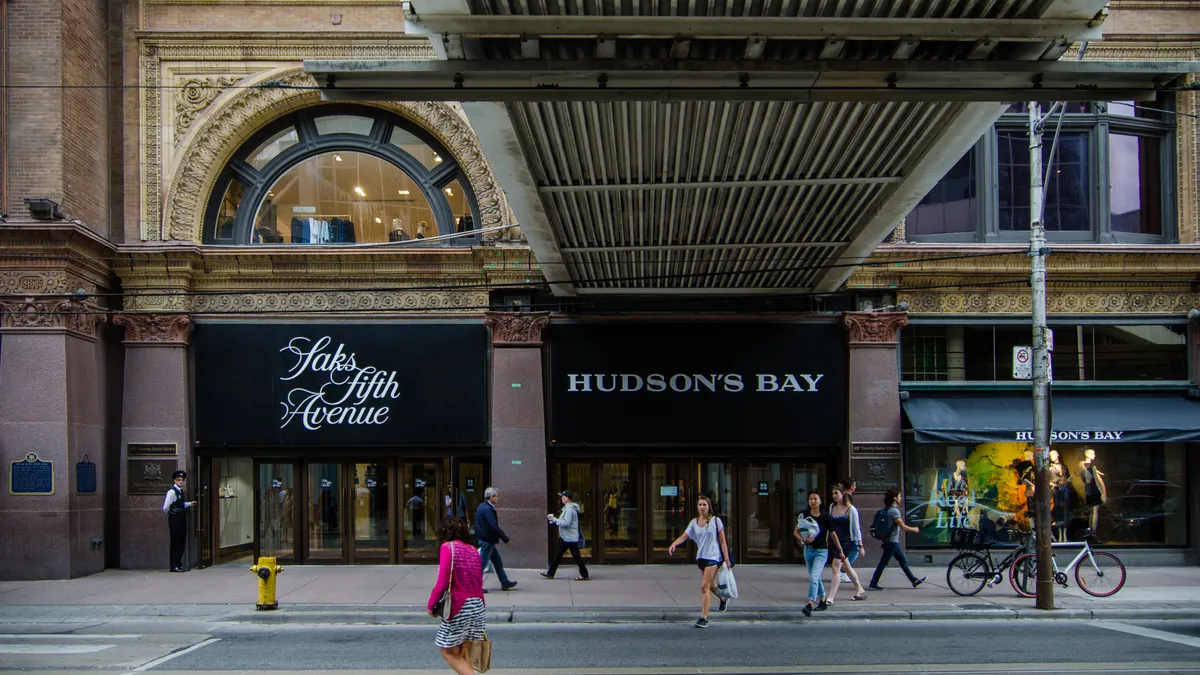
x,y
817,542
568,535
891,546
848,487
489,535
460,572
175,506
707,530
844,518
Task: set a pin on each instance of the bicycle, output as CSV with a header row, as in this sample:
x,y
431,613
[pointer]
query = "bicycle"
x,y
973,567
1105,571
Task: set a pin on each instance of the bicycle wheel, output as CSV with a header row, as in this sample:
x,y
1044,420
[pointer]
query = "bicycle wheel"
x,y
1023,575
1104,578
967,574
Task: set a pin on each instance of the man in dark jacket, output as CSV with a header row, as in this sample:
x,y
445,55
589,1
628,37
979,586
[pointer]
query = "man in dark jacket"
x,y
489,535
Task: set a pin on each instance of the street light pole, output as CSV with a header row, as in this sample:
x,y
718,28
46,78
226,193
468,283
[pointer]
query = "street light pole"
x,y
1041,365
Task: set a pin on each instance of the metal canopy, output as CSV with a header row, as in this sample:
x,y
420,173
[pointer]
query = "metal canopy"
x,y
713,146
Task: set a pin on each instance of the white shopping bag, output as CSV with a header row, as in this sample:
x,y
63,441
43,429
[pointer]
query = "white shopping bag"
x,y
726,584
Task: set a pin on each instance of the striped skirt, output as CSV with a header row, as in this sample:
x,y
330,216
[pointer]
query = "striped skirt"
x,y
470,624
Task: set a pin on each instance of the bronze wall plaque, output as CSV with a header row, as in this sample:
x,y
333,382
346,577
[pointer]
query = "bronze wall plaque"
x,y
149,476
877,474
875,449
151,450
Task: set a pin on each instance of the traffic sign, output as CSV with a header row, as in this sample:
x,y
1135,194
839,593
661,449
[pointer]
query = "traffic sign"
x,y
1022,363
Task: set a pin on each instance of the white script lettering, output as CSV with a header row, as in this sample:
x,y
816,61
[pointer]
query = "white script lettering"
x,y
346,393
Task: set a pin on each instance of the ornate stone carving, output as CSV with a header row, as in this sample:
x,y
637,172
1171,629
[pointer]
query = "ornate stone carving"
x,y
875,327
163,329
346,302
517,329
25,281
192,96
34,313
1057,302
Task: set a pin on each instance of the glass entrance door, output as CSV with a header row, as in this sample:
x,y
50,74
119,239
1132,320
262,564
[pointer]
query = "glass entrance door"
x,y
277,505
772,495
470,480
371,523
422,506
672,500
617,504
323,493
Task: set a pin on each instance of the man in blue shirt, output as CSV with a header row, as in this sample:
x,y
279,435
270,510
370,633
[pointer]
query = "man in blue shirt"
x,y
489,535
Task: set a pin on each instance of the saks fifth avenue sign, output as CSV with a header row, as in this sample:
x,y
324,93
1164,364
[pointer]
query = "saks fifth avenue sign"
x,y
697,383
681,383
334,389
341,385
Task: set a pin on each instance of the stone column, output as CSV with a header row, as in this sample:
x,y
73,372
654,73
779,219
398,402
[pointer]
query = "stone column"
x,y
519,435
50,405
874,413
155,410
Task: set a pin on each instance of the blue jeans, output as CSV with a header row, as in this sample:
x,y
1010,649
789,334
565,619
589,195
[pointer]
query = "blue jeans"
x,y
815,559
491,552
890,549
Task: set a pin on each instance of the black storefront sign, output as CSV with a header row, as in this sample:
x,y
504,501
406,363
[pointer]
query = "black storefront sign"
x,y
697,383
341,384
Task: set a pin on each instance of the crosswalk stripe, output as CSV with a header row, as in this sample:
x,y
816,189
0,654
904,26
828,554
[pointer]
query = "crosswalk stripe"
x,y
1149,632
52,649
64,636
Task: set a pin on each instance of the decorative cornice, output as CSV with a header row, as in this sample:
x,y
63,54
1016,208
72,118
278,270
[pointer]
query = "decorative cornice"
x,y
874,327
155,329
192,96
517,329
37,313
1057,302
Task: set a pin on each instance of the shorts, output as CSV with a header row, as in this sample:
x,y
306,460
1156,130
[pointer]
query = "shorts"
x,y
705,562
852,553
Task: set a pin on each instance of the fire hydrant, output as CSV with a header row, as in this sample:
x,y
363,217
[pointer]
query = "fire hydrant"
x,y
266,570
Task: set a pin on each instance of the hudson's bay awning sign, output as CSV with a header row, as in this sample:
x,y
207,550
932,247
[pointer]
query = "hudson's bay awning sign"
x,y
968,419
697,383
353,384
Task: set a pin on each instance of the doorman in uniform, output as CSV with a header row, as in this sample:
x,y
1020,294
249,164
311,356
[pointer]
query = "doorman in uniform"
x,y
176,509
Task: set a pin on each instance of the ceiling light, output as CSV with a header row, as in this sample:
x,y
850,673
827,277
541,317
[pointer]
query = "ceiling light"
x,y
403,192
360,192
337,158
437,157
450,192
379,220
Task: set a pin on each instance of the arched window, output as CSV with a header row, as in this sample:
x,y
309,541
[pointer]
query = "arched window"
x,y
340,175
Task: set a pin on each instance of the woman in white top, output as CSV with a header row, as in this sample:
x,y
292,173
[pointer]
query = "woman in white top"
x,y
711,551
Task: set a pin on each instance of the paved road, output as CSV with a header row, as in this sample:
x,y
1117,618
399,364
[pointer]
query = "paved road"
x,y
815,646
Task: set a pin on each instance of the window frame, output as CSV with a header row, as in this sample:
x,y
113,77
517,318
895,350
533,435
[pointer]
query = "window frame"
x,y
1097,124
257,182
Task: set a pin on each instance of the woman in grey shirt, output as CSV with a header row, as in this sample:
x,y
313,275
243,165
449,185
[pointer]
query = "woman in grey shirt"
x,y
711,551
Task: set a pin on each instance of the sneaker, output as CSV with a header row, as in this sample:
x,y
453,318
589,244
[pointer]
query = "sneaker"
x,y
701,623
918,582
724,605
509,586
845,578
546,575
876,587
485,591
821,607
807,610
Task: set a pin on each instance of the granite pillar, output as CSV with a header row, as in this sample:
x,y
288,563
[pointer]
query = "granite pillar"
x,y
155,411
519,435
51,407
874,415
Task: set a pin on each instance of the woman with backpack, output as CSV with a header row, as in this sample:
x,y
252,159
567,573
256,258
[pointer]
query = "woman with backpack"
x,y
844,517
815,531
886,527
707,530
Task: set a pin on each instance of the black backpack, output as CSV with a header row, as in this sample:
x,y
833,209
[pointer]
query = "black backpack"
x,y
882,525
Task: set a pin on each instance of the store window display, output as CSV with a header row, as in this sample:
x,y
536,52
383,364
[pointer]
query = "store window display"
x,y
1128,493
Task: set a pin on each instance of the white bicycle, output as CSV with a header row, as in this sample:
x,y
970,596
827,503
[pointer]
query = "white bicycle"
x,y
1102,575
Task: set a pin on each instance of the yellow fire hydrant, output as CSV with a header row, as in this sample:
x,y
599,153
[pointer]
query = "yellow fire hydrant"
x,y
266,570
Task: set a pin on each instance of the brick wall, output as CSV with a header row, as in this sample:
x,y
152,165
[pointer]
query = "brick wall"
x,y
85,111
370,17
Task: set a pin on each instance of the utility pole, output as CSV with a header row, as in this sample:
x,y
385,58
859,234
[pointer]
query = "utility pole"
x,y
1041,366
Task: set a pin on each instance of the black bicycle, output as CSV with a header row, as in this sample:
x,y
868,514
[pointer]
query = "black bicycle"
x,y
973,568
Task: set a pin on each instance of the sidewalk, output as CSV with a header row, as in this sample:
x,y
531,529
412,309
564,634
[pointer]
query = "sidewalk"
x,y
397,594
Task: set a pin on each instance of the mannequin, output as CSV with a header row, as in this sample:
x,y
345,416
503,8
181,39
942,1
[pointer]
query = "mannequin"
x,y
1060,485
957,488
1094,492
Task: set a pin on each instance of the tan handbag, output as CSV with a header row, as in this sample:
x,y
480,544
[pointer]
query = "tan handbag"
x,y
480,653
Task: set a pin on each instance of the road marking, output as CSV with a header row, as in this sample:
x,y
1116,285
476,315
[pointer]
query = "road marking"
x,y
52,649
1150,633
61,636
181,652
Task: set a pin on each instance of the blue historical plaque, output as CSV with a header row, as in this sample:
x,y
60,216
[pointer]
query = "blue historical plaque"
x,y
85,477
31,476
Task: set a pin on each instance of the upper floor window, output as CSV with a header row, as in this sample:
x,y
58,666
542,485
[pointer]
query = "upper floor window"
x,y
1111,178
334,175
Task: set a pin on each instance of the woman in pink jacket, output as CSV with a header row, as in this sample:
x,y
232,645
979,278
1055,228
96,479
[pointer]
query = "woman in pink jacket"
x,y
461,571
